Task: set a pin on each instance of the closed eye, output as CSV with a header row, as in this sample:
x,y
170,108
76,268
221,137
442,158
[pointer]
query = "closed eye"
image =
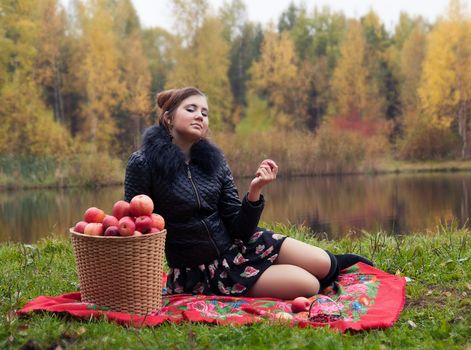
x,y
192,108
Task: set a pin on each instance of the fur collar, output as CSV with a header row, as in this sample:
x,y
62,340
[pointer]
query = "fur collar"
x,y
167,159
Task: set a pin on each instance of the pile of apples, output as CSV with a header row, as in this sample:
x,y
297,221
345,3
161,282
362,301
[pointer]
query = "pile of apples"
x,y
135,218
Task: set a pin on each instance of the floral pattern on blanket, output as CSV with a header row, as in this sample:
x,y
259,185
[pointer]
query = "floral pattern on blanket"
x,y
357,293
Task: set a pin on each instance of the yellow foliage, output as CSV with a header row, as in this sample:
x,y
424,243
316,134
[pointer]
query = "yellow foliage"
x,y
349,82
52,25
275,74
446,76
99,75
204,63
411,59
27,127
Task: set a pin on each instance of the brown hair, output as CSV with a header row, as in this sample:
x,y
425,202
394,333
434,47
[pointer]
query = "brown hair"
x,y
169,100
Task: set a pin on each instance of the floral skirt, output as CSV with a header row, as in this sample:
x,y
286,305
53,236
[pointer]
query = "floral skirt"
x,y
234,273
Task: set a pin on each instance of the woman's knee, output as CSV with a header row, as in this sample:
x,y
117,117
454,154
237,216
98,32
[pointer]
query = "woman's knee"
x,y
311,258
285,282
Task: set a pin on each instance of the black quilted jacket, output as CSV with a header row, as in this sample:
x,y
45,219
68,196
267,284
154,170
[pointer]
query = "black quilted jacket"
x,y
199,201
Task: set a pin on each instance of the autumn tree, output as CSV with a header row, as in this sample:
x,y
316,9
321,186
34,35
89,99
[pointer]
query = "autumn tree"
x,y
233,16
135,109
316,37
189,17
403,29
28,126
380,66
202,59
445,90
49,63
275,77
245,39
98,75
350,80
245,49
157,44
411,57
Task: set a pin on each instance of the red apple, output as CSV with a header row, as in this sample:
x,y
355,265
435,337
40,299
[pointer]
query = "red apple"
x,y
120,209
94,229
300,304
269,162
93,214
137,233
112,231
154,230
126,226
80,226
158,221
143,223
109,220
141,205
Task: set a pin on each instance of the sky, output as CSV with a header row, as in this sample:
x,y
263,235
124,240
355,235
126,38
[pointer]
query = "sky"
x,y
158,12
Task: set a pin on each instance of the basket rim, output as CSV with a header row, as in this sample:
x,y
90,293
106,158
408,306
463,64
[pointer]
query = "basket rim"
x,y
144,236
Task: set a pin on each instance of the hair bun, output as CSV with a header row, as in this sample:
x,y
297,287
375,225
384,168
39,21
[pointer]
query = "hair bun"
x,y
163,97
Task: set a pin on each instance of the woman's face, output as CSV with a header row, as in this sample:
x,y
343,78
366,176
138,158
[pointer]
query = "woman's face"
x,y
190,121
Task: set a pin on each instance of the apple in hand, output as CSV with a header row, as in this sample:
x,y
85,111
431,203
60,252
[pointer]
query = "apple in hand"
x,y
300,304
94,229
143,223
141,205
269,162
158,221
120,209
93,214
80,226
109,220
112,231
126,226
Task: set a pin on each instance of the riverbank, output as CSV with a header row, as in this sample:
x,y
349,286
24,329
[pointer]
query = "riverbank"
x,y
297,153
437,312
51,174
396,166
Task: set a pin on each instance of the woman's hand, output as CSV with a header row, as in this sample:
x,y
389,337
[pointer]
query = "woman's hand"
x,y
265,174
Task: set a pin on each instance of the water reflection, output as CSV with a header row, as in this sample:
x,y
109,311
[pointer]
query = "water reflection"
x,y
393,203
27,216
335,205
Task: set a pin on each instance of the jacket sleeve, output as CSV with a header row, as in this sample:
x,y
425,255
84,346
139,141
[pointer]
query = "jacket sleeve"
x,y
138,177
240,217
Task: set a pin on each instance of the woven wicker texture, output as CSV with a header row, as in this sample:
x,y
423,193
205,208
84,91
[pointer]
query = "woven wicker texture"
x,y
121,273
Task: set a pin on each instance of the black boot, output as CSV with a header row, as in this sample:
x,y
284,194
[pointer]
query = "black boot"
x,y
329,279
346,260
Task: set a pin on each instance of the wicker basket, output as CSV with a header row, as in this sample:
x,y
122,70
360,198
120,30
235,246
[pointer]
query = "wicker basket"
x,y
121,273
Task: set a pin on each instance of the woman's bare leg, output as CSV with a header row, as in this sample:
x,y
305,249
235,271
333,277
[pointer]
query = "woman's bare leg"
x,y
284,282
310,258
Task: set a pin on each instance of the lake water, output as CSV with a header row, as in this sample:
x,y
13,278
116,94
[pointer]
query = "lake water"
x,y
331,205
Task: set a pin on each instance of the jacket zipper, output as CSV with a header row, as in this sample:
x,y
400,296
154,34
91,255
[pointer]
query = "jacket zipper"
x,y
199,207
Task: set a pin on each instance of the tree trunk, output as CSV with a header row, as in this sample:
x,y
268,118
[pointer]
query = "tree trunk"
x,y
58,102
463,127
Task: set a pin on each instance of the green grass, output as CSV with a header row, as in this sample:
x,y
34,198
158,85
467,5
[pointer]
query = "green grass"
x,y
437,314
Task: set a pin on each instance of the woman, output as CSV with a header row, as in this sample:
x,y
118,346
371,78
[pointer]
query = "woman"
x,y
213,244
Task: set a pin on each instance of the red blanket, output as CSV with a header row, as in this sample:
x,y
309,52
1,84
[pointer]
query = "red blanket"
x,y
368,298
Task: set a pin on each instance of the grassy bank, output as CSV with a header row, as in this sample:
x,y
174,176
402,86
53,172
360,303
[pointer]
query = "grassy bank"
x,y
437,314
297,153
92,169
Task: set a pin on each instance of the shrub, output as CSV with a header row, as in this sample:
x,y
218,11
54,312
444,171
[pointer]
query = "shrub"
x,y
90,168
424,141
